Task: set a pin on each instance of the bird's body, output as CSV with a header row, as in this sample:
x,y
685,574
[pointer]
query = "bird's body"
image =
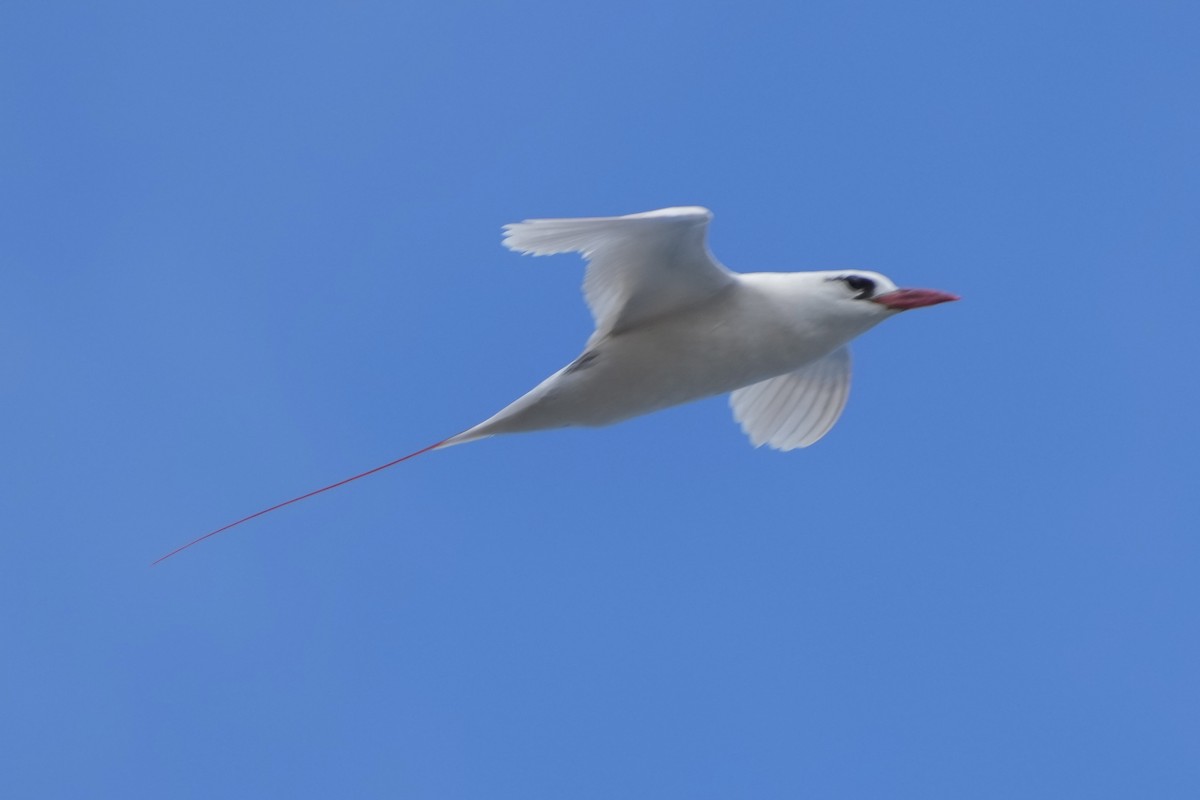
x,y
753,329
674,325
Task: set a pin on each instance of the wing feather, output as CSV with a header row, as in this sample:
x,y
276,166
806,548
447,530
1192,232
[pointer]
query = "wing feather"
x,y
639,266
798,408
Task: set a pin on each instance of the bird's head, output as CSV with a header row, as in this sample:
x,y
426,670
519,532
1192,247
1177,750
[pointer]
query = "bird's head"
x,y
870,295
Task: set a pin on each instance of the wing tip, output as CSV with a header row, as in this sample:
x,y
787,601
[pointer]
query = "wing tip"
x,y
526,239
544,237
675,211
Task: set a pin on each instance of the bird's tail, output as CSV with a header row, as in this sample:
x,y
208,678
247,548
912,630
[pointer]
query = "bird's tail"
x,y
461,438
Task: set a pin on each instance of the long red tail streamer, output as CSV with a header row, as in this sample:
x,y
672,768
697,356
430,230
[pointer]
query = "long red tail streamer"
x,y
298,499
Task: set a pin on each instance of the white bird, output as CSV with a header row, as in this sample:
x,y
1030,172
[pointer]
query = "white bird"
x,y
674,325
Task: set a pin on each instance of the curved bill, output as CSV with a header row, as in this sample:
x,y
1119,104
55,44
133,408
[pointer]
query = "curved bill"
x,y
904,299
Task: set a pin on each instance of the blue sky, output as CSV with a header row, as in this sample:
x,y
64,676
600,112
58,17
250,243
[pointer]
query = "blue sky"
x,y
250,249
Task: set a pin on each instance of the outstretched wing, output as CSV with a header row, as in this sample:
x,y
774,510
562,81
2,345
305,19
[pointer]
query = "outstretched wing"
x,y
797,408
640,266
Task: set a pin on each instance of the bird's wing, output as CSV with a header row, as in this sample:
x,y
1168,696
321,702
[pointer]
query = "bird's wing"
x,y
639,266
797,408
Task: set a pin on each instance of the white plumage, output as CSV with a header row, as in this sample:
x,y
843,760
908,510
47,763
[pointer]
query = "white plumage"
x,y
674,325
639,266
797,408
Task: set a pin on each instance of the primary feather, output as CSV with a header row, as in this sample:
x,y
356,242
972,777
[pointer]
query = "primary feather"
x,y
639,266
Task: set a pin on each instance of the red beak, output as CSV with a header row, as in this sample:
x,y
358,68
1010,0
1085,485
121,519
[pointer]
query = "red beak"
x,y
904,299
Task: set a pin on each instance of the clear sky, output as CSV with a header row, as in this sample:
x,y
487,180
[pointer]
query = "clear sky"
x,y
247,249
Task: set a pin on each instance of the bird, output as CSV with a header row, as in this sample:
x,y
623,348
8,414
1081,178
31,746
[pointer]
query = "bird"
x,y
673,325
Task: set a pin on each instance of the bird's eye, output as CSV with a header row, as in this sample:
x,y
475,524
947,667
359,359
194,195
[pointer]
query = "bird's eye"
x,y
863,287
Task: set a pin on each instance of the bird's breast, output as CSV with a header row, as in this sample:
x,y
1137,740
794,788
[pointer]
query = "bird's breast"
x,y
684,357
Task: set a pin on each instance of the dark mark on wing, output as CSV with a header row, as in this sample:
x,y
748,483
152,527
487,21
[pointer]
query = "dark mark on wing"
x,y
583,362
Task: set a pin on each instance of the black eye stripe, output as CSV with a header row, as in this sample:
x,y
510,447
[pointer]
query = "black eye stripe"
x,y
863,287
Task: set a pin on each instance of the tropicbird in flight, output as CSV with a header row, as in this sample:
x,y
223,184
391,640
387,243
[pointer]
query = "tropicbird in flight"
x,y
674,325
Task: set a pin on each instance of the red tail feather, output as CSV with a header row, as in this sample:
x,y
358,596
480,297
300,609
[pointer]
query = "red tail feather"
x,y
298,499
